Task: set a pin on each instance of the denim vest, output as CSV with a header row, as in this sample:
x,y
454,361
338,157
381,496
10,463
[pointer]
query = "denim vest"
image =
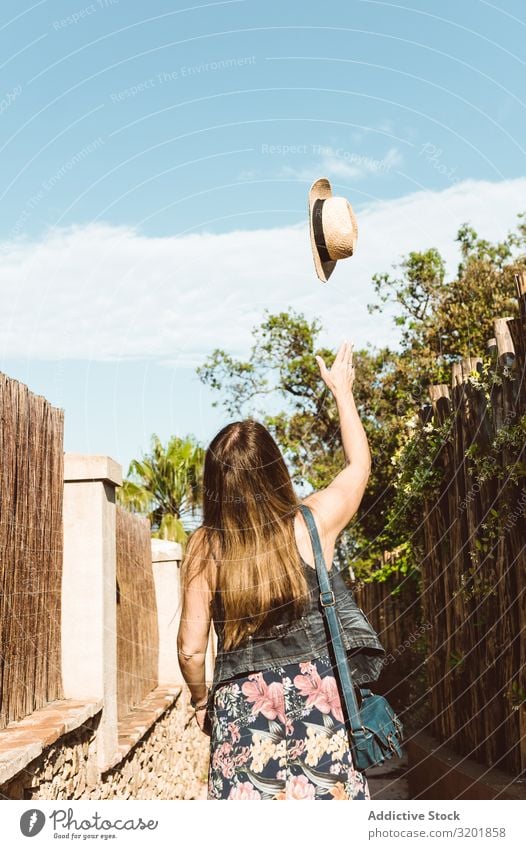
x,y
303,639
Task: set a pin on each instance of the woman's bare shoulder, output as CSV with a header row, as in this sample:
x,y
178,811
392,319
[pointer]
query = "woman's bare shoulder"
x,y
303,536
198,558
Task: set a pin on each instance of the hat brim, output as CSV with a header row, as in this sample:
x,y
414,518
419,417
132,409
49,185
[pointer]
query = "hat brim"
x,y
320,190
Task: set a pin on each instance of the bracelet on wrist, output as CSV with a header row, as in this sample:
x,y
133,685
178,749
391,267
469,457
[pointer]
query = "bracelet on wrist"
x,y
199,705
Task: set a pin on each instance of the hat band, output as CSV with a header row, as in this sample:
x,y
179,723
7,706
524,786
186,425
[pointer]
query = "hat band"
x,y
317,226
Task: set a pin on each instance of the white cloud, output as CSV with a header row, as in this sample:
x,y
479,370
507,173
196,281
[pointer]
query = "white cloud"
x,y
104,292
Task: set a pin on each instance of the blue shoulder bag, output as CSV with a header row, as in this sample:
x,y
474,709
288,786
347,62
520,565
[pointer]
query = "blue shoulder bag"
x,y
375,730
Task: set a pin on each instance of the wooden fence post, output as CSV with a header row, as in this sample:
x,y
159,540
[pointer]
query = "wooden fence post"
x,y
505,347
89,632
491,345
520,280
440,398
438,390
504,395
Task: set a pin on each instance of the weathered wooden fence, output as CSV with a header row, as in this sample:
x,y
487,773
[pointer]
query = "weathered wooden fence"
x,y
137,630
31,484
90,686
473,574
31,566
392,604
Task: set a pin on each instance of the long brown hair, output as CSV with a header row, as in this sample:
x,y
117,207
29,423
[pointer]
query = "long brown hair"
x,y
246,542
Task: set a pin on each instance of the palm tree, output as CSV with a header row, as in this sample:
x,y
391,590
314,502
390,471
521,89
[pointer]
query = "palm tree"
x,y
166,485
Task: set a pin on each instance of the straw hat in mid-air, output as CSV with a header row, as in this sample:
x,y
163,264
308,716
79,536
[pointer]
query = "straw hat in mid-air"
x,y
333,228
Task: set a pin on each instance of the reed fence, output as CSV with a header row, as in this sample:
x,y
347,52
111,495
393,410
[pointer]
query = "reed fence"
x,y
31,549
473,572
137,629
391,603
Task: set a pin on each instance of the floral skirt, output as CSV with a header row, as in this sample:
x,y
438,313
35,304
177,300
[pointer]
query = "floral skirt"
x,y
280,734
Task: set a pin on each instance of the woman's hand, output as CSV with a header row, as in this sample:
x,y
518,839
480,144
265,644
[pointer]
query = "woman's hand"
x,y
202,721
340,377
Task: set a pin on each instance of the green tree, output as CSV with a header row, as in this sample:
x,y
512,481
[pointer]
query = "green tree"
x,y
281,365
440,321
166,485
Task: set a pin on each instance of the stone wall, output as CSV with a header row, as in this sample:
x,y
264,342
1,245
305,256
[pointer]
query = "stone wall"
x,y
82,746
168,762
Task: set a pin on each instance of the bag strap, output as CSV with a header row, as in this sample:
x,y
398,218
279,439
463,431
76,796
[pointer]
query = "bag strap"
x,y
328,604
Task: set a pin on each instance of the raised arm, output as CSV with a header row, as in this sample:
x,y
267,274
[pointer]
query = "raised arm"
x,y
335,505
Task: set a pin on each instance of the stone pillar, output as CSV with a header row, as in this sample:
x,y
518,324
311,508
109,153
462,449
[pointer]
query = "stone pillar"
x,y
166,561
166,558
89,591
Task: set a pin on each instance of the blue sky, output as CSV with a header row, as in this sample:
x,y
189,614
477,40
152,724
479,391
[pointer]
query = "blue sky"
x,y
156,162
